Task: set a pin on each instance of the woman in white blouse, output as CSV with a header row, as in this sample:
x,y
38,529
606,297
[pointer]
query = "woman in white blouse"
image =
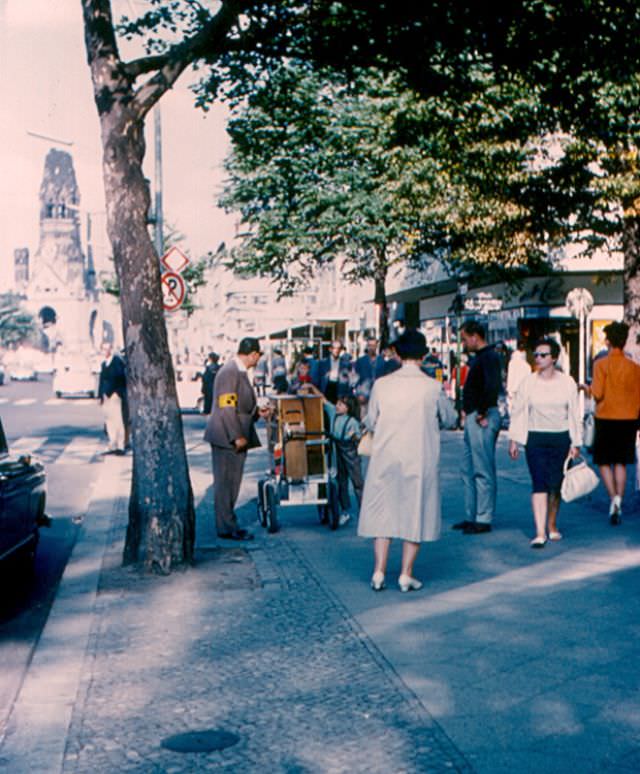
x,y
546,420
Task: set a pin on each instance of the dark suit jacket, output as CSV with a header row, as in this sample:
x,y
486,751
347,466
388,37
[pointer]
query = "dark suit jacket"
x,y
233,412
367,372
112,378
208,380
344,375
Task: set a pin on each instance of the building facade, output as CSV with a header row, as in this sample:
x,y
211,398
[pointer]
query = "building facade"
x,y
528,309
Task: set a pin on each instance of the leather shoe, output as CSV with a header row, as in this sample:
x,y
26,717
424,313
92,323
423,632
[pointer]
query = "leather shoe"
x,y
237,534
462,524
476,528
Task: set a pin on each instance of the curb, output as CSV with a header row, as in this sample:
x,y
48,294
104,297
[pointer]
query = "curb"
x,y
37,728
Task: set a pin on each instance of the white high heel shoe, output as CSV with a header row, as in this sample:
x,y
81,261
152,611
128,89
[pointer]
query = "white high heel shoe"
x,y
377,581
407,583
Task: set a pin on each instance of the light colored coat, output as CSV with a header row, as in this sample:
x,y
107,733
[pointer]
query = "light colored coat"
x,y
401,496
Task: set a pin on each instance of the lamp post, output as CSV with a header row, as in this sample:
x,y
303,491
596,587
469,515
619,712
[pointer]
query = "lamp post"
x,y
457,307
579,302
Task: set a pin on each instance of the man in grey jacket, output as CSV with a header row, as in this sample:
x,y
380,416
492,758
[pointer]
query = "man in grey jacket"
x,y
230,431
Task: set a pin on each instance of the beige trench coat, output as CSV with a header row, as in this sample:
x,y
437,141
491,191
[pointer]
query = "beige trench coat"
x,y
401,496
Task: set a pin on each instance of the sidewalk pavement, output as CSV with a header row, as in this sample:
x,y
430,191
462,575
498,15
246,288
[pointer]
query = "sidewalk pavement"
x,y
508,660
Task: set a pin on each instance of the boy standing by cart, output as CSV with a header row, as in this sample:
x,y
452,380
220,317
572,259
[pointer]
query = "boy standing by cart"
x,y
345,431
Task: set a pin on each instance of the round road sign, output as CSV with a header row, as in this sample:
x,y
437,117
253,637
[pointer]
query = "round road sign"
x,y
173,290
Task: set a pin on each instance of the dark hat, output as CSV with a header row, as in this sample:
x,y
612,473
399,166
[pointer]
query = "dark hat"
x,y
410,345
248,345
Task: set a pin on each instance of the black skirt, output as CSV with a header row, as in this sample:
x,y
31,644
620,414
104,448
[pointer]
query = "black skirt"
x,y
615,441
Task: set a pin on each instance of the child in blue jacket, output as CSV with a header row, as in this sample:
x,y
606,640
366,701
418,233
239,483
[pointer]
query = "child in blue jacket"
x,y
345,431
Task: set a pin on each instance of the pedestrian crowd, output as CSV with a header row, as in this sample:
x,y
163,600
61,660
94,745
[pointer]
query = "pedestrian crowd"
x,y
398,400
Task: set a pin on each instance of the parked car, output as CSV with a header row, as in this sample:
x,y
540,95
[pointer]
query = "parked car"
x,y
22,371
22,504
74,377
189,387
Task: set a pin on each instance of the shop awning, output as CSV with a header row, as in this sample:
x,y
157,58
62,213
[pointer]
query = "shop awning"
x,y
320,328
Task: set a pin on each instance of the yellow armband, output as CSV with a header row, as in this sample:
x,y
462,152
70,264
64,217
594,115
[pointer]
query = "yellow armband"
x,y
228,400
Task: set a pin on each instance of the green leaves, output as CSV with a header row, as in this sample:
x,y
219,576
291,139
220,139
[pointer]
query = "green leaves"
x,y
366,171
16,324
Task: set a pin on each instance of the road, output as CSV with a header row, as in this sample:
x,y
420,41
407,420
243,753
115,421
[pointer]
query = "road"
x,y
67,436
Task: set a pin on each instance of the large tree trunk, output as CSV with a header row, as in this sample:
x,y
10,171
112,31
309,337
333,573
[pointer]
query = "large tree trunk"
x,y
161,526
161,513
631,281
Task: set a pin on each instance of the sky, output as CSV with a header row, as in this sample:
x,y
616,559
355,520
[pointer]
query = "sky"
x,y
45,88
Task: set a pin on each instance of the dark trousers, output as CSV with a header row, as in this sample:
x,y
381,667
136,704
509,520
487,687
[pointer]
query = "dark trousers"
x,y
348,465
331,392
228,466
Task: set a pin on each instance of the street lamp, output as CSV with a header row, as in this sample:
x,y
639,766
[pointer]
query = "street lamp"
x,y
457,307
579,302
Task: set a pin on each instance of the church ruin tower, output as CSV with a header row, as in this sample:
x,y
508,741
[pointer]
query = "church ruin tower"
x,y
59,262
59,281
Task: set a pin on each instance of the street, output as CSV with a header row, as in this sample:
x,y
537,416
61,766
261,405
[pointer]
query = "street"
x,y
67,436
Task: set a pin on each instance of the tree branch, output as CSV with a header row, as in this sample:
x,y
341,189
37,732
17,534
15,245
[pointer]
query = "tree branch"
x,y
210,39
146,64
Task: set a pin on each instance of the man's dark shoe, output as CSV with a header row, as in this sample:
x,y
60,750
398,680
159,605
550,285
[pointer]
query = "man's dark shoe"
x,y
476,528
463,524
237,534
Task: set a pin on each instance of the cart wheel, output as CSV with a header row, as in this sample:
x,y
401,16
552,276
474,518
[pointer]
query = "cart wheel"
x,y
271,510
262,514
333,506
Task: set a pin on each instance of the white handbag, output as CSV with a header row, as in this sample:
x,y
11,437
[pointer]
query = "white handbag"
x,y
588,431
365,447
579,479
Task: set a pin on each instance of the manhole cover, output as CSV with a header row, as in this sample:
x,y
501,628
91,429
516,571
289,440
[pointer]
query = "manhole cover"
x,y
200,741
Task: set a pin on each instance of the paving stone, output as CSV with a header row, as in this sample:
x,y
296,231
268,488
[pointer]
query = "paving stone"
x,y
287,672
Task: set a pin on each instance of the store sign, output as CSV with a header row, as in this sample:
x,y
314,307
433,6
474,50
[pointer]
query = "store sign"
x,y
482,303
598,337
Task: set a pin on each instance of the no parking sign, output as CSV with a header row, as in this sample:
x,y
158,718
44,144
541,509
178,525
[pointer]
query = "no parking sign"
x,y
173,287
173,291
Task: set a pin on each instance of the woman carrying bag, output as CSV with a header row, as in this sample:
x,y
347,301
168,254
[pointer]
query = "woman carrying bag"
x,y
546,420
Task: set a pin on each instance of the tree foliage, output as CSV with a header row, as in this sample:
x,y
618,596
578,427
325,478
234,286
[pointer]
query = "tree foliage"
x,y
16,324
367,170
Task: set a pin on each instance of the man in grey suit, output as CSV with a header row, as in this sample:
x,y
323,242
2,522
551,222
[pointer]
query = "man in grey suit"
x,y
230,431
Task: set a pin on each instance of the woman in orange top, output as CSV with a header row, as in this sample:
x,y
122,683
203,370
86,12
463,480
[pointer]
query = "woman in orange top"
x,y
616,390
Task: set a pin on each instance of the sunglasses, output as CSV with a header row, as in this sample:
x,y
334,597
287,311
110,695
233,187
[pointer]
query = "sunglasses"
x,y
542,354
